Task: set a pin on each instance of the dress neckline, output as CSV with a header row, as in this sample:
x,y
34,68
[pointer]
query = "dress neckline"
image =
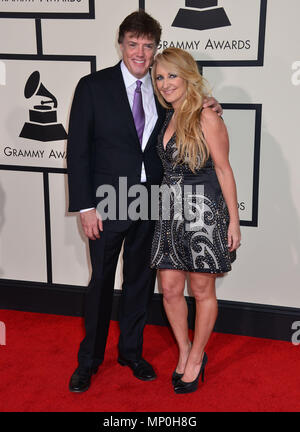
x,y
165,146
169,115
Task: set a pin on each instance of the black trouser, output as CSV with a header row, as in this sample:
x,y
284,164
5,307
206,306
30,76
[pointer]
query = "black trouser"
x,y
137,290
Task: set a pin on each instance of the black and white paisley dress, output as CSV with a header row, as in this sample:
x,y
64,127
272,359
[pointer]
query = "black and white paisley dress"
x,y
191,230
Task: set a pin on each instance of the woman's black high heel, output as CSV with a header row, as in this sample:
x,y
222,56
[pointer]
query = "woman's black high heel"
x,y
175,377
190,387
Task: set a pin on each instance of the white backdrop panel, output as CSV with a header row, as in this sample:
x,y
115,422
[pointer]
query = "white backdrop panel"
x,y
17,36
70,258
22,228
242,156
90,37
44,6
237,41
60,79
70,262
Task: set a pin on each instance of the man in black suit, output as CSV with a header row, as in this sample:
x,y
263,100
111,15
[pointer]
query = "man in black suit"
x,y
104,145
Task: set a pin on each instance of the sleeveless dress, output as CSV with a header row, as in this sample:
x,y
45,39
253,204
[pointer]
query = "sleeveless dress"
x,y
191,228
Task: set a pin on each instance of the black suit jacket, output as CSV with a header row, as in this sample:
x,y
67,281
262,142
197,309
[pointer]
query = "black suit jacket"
x,y
102,142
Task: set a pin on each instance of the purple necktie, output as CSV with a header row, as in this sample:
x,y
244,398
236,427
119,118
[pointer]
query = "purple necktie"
x,y
138,111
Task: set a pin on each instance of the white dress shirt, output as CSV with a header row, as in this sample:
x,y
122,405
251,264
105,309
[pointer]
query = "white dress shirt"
x,y
148,105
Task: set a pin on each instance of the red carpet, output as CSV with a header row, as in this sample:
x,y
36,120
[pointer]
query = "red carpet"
x,y
243,373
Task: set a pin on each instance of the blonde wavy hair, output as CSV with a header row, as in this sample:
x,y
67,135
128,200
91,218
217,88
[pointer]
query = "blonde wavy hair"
x,y
190,141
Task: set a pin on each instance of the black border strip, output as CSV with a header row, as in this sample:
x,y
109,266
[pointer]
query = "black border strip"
x,y
256,164
256,157
47,227
39,39
240,63
50,15
262,31
33,169
51,57
176,418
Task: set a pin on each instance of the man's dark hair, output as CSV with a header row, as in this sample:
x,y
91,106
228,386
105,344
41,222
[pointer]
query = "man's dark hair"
x,y
140,24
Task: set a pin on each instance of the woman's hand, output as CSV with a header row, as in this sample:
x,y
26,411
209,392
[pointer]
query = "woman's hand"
x,y
234,236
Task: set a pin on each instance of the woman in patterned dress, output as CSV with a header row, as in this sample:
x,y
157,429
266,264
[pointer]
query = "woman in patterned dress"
x,y
198,232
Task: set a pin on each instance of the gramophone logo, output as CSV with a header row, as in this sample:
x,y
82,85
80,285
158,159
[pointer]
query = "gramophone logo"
x,y
208,17
43,124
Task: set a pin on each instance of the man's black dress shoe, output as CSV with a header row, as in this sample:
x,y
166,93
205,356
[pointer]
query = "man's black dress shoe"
x,y
141,368
81,379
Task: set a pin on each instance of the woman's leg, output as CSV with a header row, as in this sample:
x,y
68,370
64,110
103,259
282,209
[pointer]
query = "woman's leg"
x,y
173,282
203,288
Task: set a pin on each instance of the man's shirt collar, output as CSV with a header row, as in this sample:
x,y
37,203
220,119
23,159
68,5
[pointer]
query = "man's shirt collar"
x,y
130,79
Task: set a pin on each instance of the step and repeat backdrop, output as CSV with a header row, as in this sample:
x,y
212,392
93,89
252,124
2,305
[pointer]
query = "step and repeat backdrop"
x,y
247,50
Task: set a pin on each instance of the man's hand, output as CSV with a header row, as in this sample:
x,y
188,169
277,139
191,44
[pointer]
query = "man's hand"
x,y
91,223
212,103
